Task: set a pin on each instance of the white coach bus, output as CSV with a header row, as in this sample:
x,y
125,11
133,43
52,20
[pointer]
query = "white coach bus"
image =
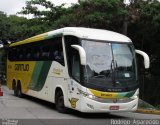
x,y
89,70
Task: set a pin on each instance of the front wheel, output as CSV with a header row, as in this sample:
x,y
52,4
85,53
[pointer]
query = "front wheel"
x,y
59,102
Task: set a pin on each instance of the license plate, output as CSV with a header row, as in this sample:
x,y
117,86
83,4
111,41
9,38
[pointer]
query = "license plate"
x,y
114,107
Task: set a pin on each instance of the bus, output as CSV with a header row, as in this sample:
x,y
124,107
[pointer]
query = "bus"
x,y
85,69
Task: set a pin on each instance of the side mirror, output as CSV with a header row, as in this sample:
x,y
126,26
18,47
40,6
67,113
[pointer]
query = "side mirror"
x,y
82,53
146,58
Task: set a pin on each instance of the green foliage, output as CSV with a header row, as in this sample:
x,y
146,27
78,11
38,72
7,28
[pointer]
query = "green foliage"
x,y
18,26
4,27
90,13
95,14
50,13
14,28
145,32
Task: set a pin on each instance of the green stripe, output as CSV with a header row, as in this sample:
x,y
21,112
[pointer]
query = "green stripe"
x,y
130,94
126,94
39,75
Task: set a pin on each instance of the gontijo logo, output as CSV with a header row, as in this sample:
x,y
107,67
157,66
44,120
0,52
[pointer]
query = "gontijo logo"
x,y
21,67
101,94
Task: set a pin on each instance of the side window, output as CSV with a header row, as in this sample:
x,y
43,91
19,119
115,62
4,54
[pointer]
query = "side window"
x,y
75,66
73,58
36,53
29,54
22,53
45,53
12,54
56,50
46,50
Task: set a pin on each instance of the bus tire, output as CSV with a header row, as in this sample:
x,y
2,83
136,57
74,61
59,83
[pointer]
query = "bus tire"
x,y
19,90
14,87
59,102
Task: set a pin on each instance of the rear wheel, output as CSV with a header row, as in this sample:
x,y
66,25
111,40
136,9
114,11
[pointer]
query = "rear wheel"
x,y
59,102
19,90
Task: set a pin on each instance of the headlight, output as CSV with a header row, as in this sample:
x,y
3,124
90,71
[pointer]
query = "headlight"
x,y
86,94
91,96
136,95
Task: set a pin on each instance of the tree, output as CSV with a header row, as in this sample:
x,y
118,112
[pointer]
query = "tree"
x,y
90,13
4,27
50,12
145,31
17,27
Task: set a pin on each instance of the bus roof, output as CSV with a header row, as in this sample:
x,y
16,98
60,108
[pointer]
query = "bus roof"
x,y
84,33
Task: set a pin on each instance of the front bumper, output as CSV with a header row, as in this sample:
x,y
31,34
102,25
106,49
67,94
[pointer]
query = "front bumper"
x,y
89,105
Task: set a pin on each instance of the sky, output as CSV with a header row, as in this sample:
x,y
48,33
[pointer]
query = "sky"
x,y
13,6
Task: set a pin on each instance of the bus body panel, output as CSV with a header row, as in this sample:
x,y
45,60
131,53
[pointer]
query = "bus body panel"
x,y
56,76
19,71
79,101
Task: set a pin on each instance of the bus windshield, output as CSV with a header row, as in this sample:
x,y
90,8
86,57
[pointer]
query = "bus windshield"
x,y
111,66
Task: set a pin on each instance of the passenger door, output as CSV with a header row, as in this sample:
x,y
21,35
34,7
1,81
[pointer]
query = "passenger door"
x,y
73,61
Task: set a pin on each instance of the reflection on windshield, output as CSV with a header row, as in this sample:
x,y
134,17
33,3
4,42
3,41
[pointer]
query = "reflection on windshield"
x,y
99,55
124,60
109,64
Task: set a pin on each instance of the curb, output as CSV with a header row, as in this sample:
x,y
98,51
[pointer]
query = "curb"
x,y
148,111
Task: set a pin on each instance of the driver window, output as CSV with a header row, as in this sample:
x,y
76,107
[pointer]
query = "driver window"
x,y
73,58
76,67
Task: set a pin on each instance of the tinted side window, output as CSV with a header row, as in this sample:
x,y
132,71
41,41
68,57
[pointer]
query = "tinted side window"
x,y
57,51
12,54
46,50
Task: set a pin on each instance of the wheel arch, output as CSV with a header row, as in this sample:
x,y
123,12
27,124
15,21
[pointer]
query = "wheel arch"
x,y
19,88
60,88
19,84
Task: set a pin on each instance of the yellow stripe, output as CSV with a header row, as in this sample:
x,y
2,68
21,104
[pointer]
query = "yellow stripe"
x,y
103,94
32,39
